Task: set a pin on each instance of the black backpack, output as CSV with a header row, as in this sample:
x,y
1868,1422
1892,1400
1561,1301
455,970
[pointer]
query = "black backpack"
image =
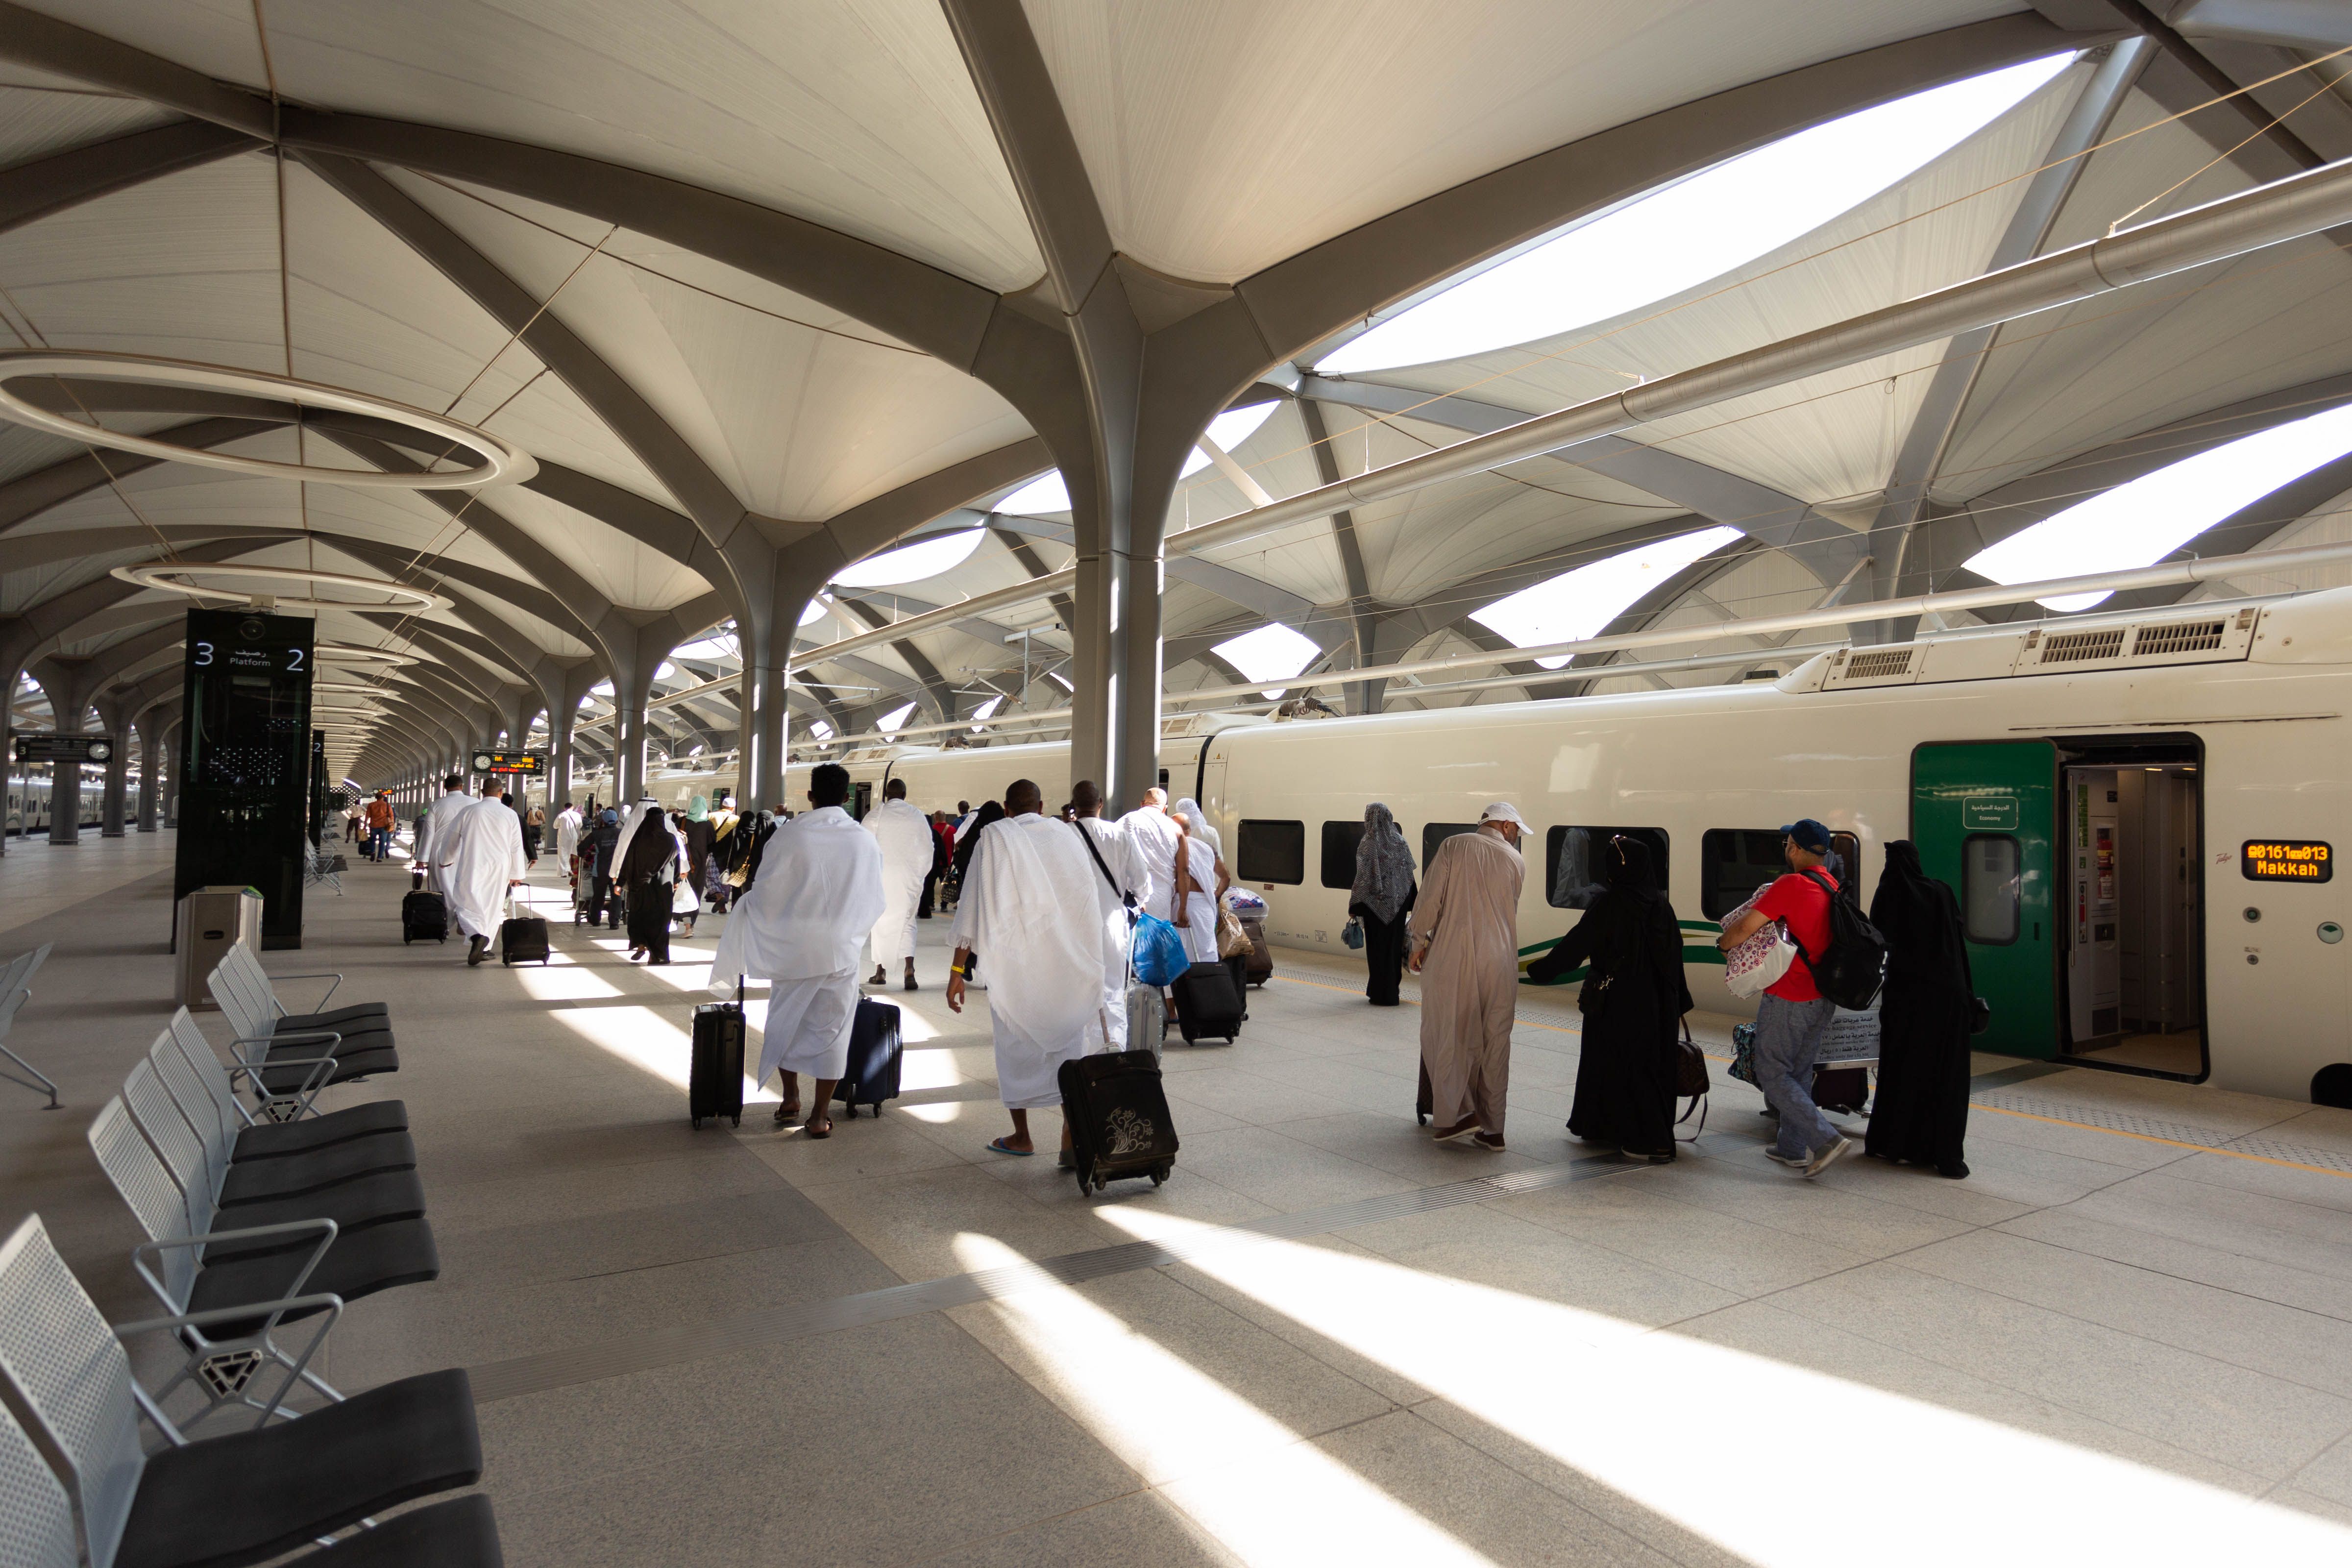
x,y
1850,971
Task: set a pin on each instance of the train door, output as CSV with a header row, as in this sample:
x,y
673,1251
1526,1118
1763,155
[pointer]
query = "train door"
x,y
861,800
1984,814
2135,969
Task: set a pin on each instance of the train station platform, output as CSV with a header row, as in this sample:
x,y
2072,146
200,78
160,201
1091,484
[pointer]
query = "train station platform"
x,y
2128,1337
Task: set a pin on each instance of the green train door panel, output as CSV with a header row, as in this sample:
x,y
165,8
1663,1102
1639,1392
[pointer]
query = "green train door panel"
x,y
1984,815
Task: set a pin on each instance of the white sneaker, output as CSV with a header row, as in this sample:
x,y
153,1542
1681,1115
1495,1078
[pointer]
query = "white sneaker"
x,y
1828,1157
1795,1161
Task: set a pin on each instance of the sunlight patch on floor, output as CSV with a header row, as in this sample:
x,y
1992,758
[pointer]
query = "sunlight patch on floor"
x,y
648,1040
1266,1493
1614,1401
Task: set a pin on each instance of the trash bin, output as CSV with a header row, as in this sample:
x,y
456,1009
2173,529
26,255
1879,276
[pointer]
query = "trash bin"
x,y
208,922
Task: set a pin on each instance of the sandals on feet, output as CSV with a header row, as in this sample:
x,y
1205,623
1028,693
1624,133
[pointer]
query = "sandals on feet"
x,y
999,1146
788,1111
818,1126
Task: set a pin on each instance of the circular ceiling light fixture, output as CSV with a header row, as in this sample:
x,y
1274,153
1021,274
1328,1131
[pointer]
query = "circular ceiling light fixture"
x,y
500,462
171,576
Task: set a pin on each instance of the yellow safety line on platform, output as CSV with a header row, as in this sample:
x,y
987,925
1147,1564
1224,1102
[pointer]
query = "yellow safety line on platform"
x,y
2001,1111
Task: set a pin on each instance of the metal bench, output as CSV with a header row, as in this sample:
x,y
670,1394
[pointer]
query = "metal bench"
x,y
207,1095
270,1040
224,1501
321,1185
254,1269
16,986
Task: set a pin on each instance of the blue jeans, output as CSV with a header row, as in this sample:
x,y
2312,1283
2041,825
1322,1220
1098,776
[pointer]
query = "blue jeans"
x,y
1788,1038
380,844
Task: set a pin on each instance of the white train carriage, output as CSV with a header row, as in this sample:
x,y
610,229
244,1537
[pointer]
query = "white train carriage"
x,y
2141,816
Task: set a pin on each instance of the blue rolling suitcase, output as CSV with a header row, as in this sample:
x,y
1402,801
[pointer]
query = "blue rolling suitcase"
x,y
876,1051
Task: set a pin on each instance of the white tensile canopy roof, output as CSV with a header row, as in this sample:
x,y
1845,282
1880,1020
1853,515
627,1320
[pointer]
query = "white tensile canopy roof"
x,y
736,279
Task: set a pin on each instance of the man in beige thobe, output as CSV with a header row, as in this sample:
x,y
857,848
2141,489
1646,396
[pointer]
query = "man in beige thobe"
x,y
1465,948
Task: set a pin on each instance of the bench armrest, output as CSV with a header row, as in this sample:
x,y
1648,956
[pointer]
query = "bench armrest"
x,y
332,975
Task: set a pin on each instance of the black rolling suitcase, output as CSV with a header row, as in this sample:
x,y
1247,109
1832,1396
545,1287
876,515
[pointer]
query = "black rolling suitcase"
x,y
1208,1003
422,918
714,1082
1117,1116
521,937
875,1049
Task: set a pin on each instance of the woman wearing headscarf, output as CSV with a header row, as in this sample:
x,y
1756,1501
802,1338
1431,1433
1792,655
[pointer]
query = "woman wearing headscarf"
x,y
1921,1113
751,841
1632,997
648,875
1381,897
699,835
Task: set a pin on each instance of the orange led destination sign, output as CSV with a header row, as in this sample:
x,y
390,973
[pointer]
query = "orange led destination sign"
x,y
2287,860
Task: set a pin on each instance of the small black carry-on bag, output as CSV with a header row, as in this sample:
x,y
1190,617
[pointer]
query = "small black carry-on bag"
x,y
714,1082
1117,1116
1208,1003
875,1049
422,918
522,938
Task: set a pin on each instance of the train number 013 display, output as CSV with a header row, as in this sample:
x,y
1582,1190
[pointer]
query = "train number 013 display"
x,y
2287,860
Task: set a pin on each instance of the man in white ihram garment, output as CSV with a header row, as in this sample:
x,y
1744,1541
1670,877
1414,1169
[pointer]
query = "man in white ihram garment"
x,y
1111,883
1152,835
567,841
802,926
485,860
1028,910
437,843
904,835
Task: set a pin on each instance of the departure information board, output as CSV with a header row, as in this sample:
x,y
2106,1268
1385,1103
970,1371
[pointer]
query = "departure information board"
x,y
2287,860
531,763
245,761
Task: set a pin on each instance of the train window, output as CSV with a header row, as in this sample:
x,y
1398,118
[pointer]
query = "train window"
x,y
1733,863
1990,889
1339,841
1437,833
1572,861
1845,855
1272,852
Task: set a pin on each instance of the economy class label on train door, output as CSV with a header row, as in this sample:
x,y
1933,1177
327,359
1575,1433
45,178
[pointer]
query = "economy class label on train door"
x,y
2287,860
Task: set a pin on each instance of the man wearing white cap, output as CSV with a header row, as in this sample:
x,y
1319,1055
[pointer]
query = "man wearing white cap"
x,y
1465,948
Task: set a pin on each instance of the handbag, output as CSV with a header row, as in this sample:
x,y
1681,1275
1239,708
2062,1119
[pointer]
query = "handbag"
x,y
1980,1015
1691,1082
1743,1053
1232,939
1762,960
1351,935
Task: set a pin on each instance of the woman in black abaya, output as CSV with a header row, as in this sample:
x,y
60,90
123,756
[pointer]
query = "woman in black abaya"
x,y
1381,897
1633,997
1921,1112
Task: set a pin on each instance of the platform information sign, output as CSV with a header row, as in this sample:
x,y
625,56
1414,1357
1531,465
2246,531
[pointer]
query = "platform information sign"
x,y
92,748
2287,860
531,763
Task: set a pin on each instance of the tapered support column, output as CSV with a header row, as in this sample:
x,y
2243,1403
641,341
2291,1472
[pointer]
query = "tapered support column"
x,y
117,720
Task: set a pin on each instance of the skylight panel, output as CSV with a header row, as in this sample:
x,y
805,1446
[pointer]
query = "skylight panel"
x,y
2141,522
986,711
819,729
602,688
1680,235
1271,652
913,563
720,644
1058,679
1041,497
667,670
816,610
895,719
1576,604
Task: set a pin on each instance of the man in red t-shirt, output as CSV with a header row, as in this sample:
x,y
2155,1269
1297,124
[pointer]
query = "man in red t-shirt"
x,y
1792,1014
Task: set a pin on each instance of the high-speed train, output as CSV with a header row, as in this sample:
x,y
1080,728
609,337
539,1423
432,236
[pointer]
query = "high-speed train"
x,y
2139,813
28,803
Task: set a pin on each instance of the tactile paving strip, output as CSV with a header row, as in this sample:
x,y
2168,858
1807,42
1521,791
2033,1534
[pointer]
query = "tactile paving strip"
x,y
2257,1144
645,1352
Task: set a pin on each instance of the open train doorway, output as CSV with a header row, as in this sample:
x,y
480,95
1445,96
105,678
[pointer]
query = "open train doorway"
x,y
2133,900
2078,866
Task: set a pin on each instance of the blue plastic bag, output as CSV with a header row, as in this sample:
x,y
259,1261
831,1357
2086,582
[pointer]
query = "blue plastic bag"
x,y
1159,955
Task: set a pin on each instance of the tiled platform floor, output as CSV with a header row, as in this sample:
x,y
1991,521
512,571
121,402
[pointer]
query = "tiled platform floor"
x,y
2107,1345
